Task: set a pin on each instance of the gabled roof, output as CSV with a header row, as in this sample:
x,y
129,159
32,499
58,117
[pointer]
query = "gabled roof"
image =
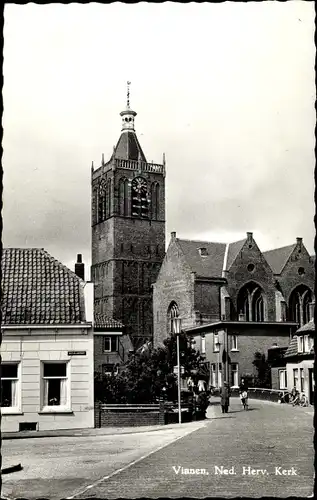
x,y
104,322
38,289
208,266
128,147
278,257
293,347
233,250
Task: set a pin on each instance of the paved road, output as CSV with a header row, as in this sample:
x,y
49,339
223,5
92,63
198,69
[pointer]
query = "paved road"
x,y
265,437
56,467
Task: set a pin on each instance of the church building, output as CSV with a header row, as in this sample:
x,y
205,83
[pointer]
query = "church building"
x,y
128,232
233,299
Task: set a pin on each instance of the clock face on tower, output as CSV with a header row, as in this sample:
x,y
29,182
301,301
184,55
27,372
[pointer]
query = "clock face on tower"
x,y
140,184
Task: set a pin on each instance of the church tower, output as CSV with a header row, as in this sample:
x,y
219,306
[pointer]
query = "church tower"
x,y
128,232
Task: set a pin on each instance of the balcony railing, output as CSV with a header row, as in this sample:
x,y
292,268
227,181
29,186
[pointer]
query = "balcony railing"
x,y
140,165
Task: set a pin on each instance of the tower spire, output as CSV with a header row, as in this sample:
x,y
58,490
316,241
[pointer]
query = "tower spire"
x,y
128,95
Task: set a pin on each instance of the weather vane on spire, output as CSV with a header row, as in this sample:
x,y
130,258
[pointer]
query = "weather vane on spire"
x,y
128,94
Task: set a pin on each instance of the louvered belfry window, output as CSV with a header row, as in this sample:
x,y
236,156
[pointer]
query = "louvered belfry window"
x,y
139,197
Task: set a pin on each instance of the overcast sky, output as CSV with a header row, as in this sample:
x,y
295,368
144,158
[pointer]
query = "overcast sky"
x,y
225,90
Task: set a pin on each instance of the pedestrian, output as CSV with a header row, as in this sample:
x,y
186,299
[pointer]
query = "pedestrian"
x,y
225,397
243,392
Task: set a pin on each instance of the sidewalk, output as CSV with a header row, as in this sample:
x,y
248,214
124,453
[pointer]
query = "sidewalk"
x,y
103,431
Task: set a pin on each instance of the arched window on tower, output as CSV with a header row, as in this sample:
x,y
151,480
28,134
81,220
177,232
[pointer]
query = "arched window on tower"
x,y
155,196
299,305
123,196
102,199
108,198
139,197
172,312
251,303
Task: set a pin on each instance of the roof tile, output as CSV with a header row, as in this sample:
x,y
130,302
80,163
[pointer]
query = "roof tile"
x,y
38,289
278,257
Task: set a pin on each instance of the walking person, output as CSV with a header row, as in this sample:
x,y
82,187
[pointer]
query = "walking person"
x,y
225,397
243,393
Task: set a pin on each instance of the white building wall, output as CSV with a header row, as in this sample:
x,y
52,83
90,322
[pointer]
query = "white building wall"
x,y
305,364
30,350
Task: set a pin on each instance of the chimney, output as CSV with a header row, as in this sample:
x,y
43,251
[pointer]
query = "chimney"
x,y
249,236
173,235
80,267
299,241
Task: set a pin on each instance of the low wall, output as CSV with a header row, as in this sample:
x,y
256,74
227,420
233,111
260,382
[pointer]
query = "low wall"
x,y
130,415
273,395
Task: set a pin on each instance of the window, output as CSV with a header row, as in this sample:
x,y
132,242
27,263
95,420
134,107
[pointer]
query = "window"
x,y
110,344
203,345
295,377
9,385
55,385
250,303
173,312
302,381
216,342
282,379
299,305
213,375
300,344
307,346
219,375
234,375
234,343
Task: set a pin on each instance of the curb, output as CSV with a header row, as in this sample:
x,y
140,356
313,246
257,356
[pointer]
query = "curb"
x,y
13,468
136,430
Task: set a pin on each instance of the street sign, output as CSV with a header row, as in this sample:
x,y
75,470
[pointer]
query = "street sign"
x,y
76,353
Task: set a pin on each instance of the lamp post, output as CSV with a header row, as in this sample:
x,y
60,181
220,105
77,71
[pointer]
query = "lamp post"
x,y
217,345
177,322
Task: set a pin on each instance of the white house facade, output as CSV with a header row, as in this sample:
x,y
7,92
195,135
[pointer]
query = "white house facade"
x,y
47,344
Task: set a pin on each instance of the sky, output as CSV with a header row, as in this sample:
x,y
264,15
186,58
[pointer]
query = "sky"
x,y
225,90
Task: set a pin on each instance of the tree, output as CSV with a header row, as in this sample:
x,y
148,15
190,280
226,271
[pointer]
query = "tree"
x,y
148,372
263,377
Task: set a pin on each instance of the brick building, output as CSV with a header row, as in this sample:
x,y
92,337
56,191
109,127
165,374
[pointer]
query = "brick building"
x,y
233,299
128,233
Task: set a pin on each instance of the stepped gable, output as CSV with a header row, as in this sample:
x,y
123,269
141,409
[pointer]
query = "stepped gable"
x,y
278,257
207,264
38,289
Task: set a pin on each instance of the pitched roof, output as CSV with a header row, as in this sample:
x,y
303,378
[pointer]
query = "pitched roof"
x,y
210,265
278,257
308,327
292,348
104,322
128,147
233,250
38,289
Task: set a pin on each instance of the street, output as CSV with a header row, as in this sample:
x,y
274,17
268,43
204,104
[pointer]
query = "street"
x,y
266,451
